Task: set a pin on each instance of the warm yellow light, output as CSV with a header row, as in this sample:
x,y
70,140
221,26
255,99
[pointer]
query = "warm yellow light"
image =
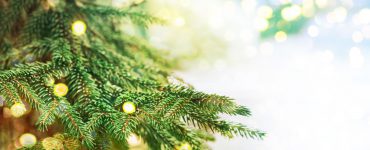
x,y
265,12
261,24
60,89
27,140
18,110
129,107
281,36
184,146
179,21
291,13
134,140
78,27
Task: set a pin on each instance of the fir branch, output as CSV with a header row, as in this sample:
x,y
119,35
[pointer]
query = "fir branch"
x,y
75,126
47,116
138,17
9,93
29,94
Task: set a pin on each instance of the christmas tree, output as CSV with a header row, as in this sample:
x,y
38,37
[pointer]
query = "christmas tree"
x,y
71,78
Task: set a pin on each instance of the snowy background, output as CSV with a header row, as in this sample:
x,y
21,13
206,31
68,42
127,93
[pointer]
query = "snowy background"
x,y
308,92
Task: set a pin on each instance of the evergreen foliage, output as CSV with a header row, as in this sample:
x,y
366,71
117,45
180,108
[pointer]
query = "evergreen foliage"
x,y
103,68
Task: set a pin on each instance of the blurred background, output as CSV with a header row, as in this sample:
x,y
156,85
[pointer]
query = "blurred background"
x,y
301,66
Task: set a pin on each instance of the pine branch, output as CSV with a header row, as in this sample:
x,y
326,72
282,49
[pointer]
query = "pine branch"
x,y
138,17
103,69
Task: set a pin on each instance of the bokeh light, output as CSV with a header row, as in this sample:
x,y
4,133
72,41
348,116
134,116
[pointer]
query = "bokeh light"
x,y
291,13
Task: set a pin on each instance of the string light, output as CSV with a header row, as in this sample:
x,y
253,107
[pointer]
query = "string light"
x,y
291,13
18,110
78,27
281,36
129,107
60,89
27,140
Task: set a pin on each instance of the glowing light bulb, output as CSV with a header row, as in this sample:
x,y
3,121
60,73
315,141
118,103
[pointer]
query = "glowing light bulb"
x,y
265,12
356,59
134,140
291,13
60,89
313,31
261,24
18,109
129,107
281,36
78,27
27,140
